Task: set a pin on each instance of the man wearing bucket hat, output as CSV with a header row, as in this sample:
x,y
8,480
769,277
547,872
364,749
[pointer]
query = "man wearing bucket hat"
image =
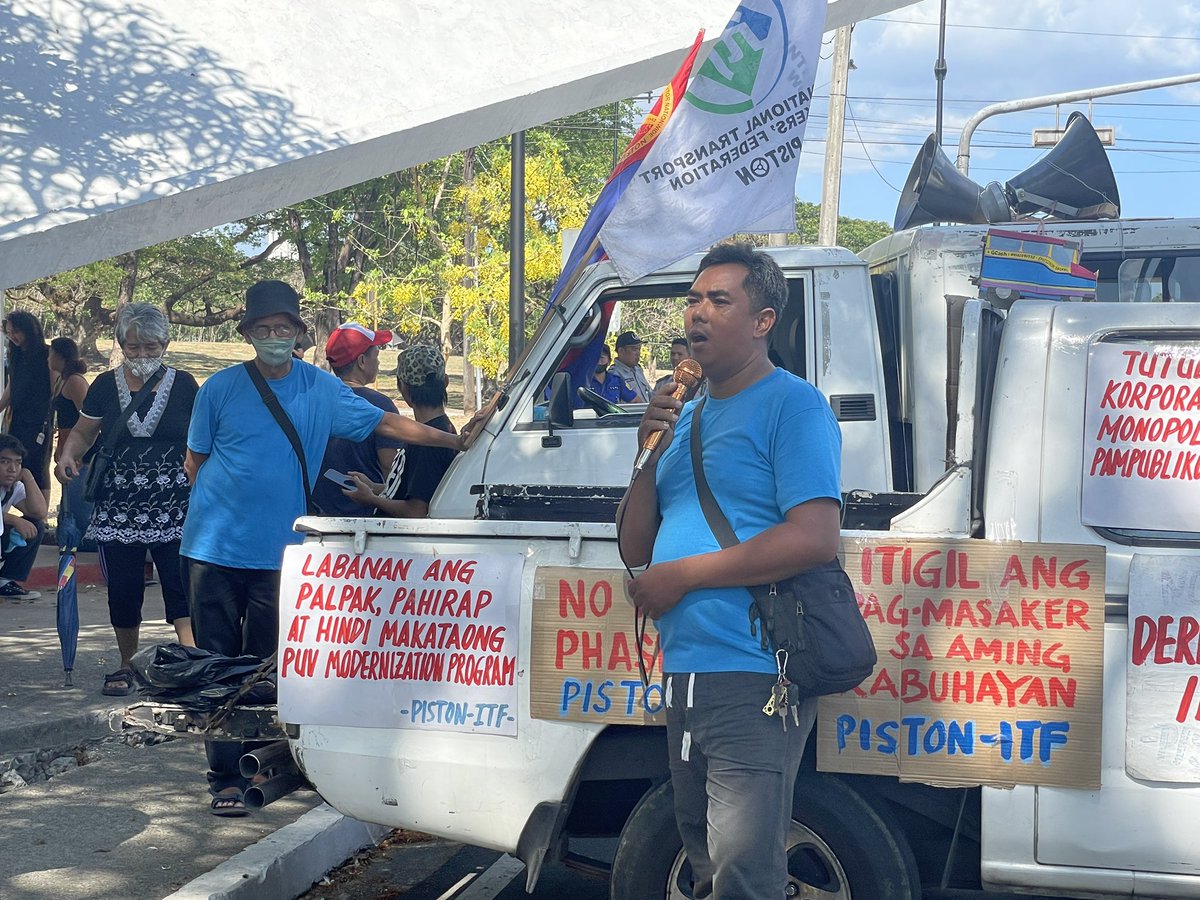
x,y
417,470
353,354
248,488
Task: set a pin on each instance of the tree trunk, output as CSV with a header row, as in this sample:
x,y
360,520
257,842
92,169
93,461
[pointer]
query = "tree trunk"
x,y
128,263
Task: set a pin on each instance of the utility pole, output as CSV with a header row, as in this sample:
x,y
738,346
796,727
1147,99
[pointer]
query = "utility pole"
x,y
516,251
831,187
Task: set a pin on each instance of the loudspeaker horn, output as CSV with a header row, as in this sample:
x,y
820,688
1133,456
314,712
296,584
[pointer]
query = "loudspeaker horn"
x,y
1074,180
937,192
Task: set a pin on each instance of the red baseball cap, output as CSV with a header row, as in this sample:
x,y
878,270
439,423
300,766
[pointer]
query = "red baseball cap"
x,y
349,341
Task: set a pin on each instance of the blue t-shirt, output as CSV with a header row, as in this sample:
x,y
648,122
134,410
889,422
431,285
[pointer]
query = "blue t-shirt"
x,y
767,449
249,491
613,388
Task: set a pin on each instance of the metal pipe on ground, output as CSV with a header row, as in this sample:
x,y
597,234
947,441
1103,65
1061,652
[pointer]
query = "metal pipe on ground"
x,y
259,795
271,756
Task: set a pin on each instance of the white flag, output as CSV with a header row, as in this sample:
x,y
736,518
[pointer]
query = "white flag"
x,y
727,160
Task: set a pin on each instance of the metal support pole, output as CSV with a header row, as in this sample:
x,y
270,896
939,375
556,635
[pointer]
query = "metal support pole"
x,y
831,188
516,251
939,73
964,142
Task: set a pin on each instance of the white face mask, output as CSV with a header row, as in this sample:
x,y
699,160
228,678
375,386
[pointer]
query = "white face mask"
x,y
144,367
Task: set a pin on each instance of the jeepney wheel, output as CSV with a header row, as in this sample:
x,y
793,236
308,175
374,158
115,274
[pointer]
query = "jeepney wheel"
x,y
839,848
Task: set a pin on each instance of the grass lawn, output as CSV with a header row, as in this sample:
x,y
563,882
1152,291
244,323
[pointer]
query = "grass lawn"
x,y
202,359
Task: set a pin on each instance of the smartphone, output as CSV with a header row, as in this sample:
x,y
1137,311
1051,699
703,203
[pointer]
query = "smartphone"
x,y
341,479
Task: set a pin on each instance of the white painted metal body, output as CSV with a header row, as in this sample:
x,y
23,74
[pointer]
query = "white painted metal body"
x,y
1128,839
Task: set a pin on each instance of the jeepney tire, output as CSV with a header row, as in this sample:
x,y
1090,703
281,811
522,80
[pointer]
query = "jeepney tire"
x,y
648,849
858,846
838,842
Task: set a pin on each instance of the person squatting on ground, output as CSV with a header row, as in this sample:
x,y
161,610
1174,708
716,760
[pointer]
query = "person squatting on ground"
x,y
27,391
416,471
22,534
772,453
142,501
68,388
248,490
353,354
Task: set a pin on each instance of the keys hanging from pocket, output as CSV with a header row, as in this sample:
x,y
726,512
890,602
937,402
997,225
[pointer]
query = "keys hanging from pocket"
x,y
777,701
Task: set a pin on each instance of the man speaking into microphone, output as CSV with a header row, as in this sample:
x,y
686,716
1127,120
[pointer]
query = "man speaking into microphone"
x,y
771,451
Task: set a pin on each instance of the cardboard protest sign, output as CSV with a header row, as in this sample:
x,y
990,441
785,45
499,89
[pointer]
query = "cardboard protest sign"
x,y
990,664
385,640
1162,670
584,660
1141,465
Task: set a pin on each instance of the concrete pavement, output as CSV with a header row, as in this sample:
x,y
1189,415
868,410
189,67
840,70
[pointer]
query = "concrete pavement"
x,y
121,817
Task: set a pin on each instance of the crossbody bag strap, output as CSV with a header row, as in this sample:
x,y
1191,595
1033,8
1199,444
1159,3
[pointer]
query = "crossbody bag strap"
x,y
110,438
717,522
280,415
723,531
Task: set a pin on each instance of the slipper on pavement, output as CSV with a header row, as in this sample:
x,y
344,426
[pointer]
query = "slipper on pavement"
x,y
118,683
228,806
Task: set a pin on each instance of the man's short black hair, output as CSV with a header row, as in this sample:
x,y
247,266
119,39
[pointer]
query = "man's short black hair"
x,y
679,342
10,442
765,283
342,371
432,393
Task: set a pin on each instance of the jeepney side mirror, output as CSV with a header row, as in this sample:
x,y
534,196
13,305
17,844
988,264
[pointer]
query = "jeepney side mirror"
x,y
560,414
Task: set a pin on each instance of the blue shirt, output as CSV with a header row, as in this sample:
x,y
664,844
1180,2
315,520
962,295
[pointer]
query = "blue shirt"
x,y
767,449
613,388
249,491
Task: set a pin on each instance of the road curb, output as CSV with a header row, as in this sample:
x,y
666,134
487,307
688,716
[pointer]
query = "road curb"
x,y
285,864
55,732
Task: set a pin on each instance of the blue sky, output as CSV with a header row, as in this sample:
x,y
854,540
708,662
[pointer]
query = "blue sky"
x,y
1004,51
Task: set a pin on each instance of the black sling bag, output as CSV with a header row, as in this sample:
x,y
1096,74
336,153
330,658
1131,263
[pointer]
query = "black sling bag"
x,y
810,621
104,453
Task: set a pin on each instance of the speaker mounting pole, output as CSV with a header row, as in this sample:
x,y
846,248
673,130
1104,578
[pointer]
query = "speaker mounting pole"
x,y
964,142
939,72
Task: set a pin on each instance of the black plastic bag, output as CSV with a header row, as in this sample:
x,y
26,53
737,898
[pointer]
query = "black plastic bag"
x,y
201,680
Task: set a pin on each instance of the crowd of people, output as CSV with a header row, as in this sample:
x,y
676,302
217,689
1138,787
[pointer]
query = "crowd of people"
x,y
154,465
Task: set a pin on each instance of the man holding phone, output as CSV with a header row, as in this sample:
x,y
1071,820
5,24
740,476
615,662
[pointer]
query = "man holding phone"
x,y
353,354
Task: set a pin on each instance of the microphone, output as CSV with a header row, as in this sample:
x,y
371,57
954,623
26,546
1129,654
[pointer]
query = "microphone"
x,y
686,376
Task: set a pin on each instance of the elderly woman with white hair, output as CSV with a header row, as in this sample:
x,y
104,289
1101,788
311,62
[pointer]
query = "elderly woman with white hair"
x,y
142,498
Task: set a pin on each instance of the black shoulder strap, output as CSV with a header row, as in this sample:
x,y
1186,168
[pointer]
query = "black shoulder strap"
x,y
277,411
720,526
114,435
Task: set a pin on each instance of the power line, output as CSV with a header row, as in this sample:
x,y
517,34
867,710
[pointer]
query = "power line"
x,y
1152,37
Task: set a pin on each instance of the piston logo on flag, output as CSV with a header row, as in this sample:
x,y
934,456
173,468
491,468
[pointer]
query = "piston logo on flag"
x,y
751,53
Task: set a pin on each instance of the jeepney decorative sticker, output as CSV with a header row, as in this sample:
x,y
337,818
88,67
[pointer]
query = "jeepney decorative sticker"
x,y
584,665
1141,459
1162,672
990,664
386,640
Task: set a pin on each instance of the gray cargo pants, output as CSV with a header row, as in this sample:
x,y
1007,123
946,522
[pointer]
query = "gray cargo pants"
x,y
733,769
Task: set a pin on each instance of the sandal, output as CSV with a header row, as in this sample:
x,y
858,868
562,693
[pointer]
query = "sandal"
x,y
228,806
118,684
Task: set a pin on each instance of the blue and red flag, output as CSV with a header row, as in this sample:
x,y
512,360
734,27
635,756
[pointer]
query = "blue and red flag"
x,y
587,250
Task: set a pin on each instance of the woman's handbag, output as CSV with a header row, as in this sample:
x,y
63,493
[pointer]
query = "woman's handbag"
x,y
104,453
810,621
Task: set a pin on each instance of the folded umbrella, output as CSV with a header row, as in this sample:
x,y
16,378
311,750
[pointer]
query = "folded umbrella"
x,y
67,605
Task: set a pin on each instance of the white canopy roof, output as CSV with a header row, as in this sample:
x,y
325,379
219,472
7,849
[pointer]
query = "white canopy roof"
x,y
124,123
